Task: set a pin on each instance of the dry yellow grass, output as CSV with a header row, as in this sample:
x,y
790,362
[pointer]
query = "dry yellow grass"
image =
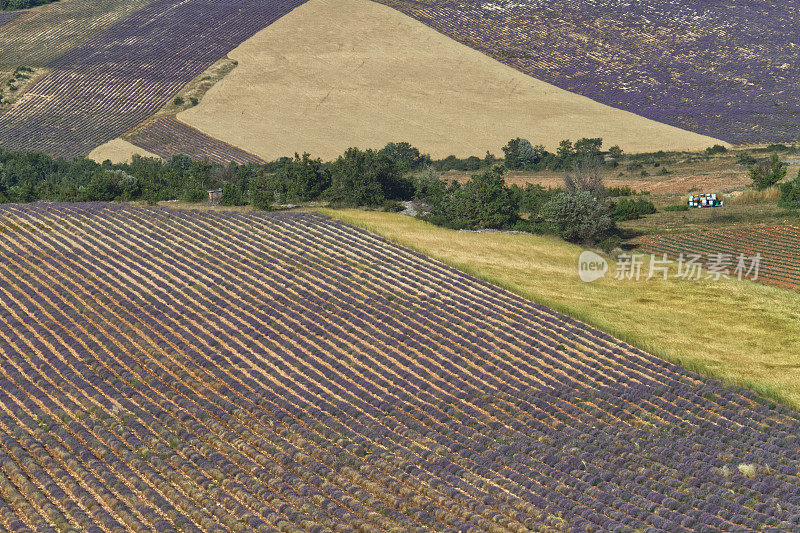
x,y
118,151
339,73
741,332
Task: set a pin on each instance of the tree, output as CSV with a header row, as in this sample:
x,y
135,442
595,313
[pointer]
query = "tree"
x,y
484,202
262,191
406,156
615,152
367,178
584,176
520,154
579,217
588,148
302,179
766,174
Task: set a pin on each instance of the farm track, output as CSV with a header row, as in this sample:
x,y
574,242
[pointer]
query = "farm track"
x,y
722,69
120,77
224,371
779,247
165,136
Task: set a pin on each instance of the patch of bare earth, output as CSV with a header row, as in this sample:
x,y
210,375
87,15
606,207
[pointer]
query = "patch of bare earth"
x,y
118,151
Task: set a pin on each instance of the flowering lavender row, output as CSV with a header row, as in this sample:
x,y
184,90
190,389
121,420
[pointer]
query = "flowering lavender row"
x,y
41,35
6,17
166,136
724,69
777,246
202,371
120,77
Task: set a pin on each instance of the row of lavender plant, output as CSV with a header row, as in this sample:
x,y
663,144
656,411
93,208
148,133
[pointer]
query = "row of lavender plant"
x,y
778,249
724,69
166,136
250,371
39,36
113,82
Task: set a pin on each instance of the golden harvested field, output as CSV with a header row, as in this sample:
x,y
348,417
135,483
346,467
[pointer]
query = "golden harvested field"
x,y
118,151
739,331
335,74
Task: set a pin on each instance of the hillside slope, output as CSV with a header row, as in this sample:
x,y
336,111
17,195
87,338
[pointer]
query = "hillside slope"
x,y
339,73
171,370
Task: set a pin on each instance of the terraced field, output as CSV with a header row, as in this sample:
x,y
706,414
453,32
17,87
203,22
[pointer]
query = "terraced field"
x,y
219,371
113,82
722,69
779,247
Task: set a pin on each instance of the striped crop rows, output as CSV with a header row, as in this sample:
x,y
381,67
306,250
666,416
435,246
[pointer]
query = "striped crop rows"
x,y
207,371
165,136
39,36
779,247
113,82
724,69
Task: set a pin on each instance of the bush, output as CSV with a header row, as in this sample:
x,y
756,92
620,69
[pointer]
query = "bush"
x,y
790,193
631,209
179,100
746,159
766,174
677,207
716,149
579,217
584,176
193,100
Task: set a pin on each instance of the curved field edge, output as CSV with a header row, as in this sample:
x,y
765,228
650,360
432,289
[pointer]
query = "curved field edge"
x,y
740,332
335,74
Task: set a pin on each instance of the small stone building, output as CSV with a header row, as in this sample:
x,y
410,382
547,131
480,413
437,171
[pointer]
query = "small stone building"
x,y
214,196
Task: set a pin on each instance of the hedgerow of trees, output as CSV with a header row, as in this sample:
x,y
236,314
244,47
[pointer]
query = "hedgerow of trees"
x,y
372,178
22,4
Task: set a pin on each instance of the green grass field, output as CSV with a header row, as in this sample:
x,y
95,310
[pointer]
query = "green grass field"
x,y
741,332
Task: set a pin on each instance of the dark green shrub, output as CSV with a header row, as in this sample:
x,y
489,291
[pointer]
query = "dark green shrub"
x,y
790,193
179,100
631,209
520,154
367,178
716,149
579,217
766,174
484,202
262,191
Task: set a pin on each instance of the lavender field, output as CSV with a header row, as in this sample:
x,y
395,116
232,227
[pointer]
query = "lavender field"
x,y
6,17
724,69
165,136
120,77
198,371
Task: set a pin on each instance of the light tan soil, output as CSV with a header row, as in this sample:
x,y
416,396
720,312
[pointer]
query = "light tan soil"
x,y
118,151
